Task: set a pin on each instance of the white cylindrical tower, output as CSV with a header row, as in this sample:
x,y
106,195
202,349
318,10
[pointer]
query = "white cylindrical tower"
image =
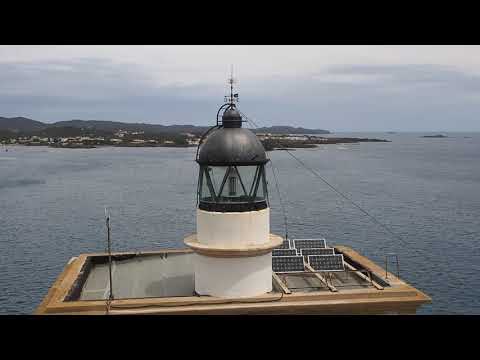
x,y
233,243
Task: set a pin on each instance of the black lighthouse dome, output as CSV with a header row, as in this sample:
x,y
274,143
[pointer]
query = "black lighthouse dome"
x,y
231,144
232,168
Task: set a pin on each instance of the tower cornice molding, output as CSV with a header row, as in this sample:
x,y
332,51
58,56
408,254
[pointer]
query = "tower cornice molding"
x,y
246,250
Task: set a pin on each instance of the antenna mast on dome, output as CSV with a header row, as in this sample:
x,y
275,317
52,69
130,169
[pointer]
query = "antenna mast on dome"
x,y
233,97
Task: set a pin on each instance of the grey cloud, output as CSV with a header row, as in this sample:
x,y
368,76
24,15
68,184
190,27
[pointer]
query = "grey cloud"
x,y
408,98
413,74
83,78
96,89
387,97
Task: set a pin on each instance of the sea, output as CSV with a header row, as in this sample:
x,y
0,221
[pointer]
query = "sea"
x,y
426,190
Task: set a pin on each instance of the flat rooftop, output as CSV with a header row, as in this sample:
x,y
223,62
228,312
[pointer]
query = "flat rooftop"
x,y
162,282
139,276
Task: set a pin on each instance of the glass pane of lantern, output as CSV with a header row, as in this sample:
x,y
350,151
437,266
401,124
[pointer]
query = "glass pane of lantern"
x,y
247,173
217,173
261,190
204,190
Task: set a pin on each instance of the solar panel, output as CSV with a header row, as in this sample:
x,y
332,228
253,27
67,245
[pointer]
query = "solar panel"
x,y
317,251
284,252
285,245
326,262
309,243
287,264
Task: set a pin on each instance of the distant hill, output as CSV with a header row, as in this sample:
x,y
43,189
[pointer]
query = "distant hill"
x,y
290,130
113,126
69,131
21,124
25,125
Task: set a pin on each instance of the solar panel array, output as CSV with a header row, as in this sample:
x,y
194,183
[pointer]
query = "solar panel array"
x,y
309,243
287,264
326,262
284,252
312,251
285,245
318,251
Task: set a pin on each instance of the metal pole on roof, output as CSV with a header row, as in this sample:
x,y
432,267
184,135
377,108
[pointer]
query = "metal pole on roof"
x,y
107,221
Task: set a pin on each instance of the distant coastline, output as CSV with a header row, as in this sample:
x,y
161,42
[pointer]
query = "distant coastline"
x,y
86,146
434,136
283,143
270,143
90,134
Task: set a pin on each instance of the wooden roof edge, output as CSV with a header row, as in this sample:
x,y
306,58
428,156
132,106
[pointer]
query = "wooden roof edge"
x,y
146,252
42,307
368,264
325,306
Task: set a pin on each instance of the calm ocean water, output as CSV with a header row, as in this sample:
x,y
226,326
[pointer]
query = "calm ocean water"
x,y
427,190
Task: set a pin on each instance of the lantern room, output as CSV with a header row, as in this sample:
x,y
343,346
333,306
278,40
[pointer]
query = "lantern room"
x,y
232,168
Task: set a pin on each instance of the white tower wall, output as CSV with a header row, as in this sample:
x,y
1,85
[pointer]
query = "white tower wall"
x,y
233,277
233,229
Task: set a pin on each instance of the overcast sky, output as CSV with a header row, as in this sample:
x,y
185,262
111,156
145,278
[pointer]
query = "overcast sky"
x,y
339,88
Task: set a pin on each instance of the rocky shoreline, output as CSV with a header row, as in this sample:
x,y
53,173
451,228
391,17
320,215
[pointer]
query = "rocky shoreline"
x,y
283,144
439,136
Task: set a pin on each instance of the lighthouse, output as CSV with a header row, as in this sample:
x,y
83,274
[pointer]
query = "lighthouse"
x,y
233,245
